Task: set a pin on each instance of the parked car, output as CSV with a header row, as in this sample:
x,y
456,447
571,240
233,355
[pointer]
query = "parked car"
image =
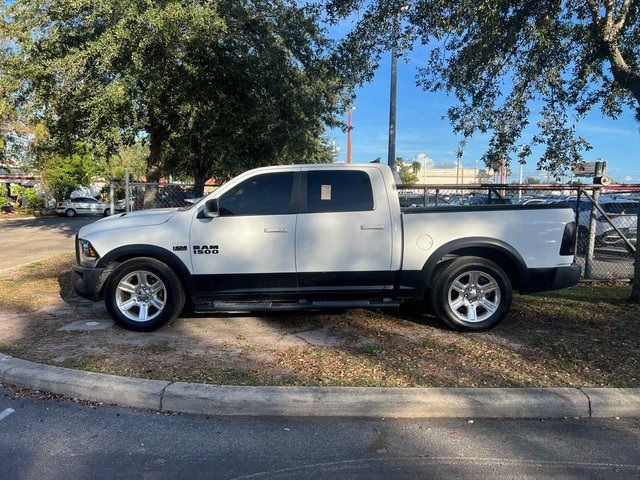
x,y
417,200
323,236
83,206
623,214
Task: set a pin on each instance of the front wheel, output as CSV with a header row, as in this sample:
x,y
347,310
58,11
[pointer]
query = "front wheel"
x,y
471,294
143,294
70,212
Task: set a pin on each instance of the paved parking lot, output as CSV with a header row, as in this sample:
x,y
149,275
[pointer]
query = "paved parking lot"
x,y
24,240
59,439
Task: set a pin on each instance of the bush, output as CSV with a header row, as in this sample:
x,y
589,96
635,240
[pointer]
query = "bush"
x,y
34,201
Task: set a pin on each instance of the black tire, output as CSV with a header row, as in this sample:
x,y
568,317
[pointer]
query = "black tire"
x,y
174,300
107,212
445,277
70,212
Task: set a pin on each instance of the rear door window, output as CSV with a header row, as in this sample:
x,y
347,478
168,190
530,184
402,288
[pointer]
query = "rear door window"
x,y
338,191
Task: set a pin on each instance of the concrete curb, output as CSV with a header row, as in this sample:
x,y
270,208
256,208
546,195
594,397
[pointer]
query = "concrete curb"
x,y
322,401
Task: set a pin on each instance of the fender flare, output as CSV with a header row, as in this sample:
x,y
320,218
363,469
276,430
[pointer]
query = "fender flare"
x,y
127,252
518,270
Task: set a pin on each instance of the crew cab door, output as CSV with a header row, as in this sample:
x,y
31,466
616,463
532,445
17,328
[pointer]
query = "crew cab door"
x,y
248,251
344,234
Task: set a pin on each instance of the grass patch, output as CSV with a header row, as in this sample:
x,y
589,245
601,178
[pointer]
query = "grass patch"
x,y
38,284
160,348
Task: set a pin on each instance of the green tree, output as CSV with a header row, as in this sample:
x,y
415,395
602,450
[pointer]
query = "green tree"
x,y
532,181
213,86
505,59
408,173
62,174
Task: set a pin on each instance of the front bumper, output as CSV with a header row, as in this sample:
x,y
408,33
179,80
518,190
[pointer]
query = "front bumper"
x,y
88,282
544,279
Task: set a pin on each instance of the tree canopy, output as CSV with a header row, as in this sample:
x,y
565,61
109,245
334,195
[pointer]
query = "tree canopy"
x,y
213,86
505,61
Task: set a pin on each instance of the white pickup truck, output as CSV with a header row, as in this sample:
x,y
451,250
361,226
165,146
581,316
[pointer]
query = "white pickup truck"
x,y
323,236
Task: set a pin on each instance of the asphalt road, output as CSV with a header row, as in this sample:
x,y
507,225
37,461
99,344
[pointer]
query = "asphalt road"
x,y
45,439
24,240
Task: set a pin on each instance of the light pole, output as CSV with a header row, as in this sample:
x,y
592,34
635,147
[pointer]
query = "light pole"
x,y
393,94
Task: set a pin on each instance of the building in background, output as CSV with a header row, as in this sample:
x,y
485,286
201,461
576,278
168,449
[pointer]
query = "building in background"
x,y
452,176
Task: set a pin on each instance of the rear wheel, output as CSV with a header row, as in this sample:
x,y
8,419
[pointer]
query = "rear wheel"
x,y
70,212
471,294
143,294
107,212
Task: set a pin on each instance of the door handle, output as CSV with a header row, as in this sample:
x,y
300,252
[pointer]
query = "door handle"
x,y
275,230
372,227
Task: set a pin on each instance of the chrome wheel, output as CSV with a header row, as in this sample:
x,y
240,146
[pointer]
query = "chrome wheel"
x,y
474,296
141,296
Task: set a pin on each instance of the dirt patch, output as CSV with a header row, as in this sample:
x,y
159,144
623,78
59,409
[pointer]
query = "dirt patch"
x,y
584,336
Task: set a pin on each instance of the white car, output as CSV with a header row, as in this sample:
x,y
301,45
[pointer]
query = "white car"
x,y
83,206
623,214
323,236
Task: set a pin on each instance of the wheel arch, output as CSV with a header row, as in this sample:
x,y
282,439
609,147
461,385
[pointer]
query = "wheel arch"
x,y
498,251
121,254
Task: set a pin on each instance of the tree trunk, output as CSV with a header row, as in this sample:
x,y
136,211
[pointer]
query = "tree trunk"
x,y
158,135
629,79
201,175
198,187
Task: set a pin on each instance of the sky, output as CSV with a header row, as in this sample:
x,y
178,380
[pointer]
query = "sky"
x,y
421,128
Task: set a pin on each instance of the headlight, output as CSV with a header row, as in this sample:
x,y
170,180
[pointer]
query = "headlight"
x,y
87,252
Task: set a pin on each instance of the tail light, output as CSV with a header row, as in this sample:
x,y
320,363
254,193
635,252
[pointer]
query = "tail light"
x,y
568,245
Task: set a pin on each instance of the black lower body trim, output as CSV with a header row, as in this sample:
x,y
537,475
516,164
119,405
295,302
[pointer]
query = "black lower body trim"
x,y
292,286
544,279
88,282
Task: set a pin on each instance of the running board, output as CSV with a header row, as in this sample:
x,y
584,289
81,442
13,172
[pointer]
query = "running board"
x,y
302,305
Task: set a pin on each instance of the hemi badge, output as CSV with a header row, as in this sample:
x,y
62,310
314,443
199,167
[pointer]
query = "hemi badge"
x,y
179,248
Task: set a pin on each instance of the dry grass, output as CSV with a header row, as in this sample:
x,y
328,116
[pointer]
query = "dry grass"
x,y
584,336
36,285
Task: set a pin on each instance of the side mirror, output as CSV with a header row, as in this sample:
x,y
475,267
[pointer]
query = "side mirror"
x,y
211,208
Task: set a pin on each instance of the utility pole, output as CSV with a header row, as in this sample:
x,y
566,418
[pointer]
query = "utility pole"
x,y
349,128
520,181
393,94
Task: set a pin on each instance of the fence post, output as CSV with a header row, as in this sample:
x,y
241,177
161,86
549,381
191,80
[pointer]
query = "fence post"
x,y
127,205
591,243
576,247
112,200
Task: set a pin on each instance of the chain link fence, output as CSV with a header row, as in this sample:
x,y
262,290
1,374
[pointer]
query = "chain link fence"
x,y
606,217
142,196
